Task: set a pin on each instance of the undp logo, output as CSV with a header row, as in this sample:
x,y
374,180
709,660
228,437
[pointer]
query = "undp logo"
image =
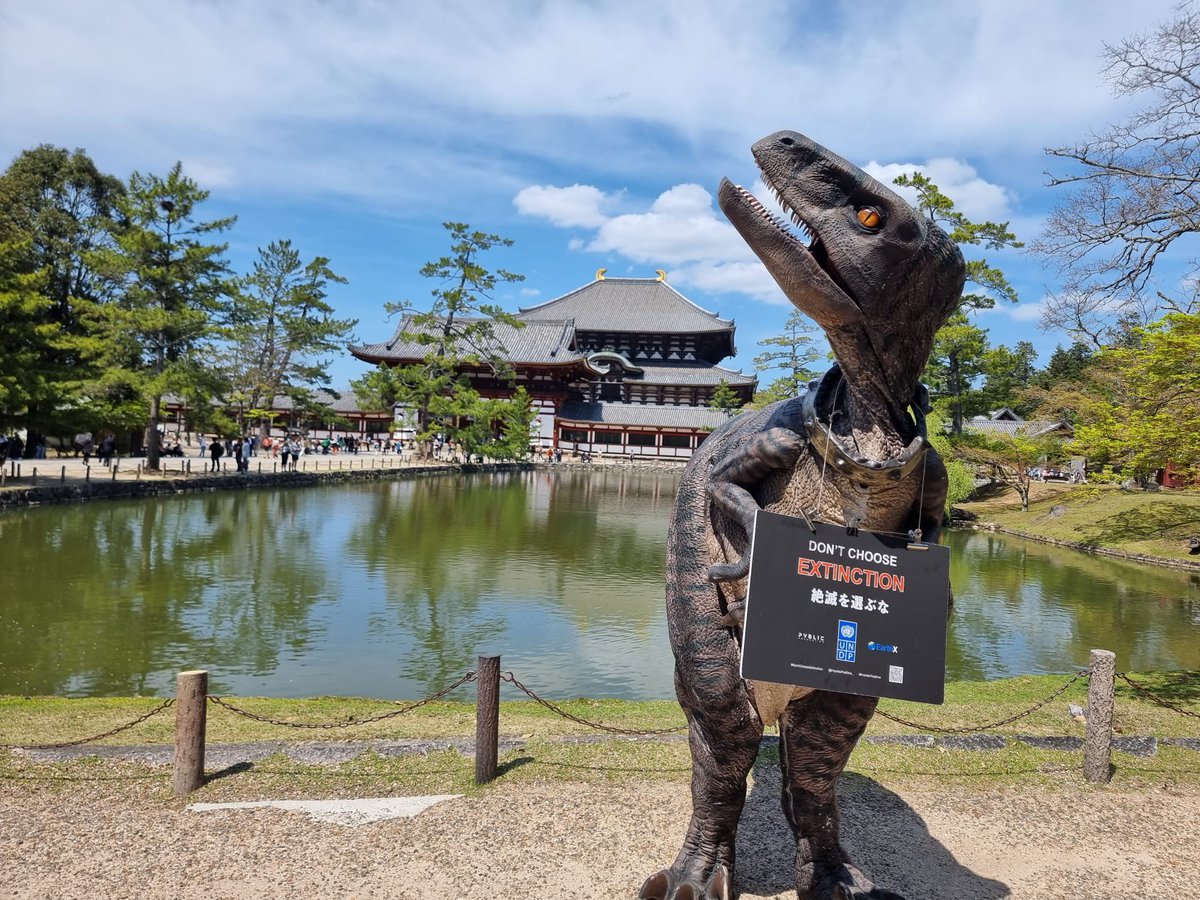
x,y
847,644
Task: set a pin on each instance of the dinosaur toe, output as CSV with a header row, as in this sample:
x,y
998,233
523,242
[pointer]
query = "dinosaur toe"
x,y
665,885
848,883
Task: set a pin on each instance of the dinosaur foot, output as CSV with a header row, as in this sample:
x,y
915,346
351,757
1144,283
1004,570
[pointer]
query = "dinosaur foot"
x,y
846,883
666,885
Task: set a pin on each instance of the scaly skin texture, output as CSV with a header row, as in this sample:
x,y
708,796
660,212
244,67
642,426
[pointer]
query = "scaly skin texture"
x,y
880,281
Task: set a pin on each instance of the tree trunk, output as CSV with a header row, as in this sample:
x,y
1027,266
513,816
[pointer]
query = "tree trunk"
x,y
152,442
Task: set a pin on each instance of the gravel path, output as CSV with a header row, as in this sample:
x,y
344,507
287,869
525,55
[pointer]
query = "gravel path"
x,y
568,840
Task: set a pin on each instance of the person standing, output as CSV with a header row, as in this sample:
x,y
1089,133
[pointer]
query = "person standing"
x,y
215,450
108,443
203,446
87,446
247,452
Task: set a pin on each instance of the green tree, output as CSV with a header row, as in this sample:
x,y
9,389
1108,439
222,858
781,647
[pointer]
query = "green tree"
x,y
1065,364
1007,375
790,353
956,361
457,334
1140,406
993,235
725,399
1009,457
55,209
169,294
281,329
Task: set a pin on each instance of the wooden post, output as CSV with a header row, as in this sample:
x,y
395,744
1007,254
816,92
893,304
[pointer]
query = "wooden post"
x,y
191,711
112,475
116,464
35,476
487,717
1097,742
260,467
62,475
87,474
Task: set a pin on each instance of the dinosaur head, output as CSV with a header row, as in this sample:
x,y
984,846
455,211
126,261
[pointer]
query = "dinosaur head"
x,y
874,274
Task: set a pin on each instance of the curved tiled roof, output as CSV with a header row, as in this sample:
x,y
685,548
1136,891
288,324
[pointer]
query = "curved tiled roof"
x,y
647,415
693,374
629,305
546,343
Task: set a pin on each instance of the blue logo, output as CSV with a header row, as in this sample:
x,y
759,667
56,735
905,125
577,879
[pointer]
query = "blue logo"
x,y
847,640
883,648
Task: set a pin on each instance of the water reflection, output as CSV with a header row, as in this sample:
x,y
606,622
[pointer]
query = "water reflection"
x,y
392,589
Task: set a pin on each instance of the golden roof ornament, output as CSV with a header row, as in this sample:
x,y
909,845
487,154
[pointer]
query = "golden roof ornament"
x,y
662,275
600,274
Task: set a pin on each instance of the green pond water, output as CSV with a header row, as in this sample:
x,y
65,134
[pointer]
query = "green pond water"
x,y
392,590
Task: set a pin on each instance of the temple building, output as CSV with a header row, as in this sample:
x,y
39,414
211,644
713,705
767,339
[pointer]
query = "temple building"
x,y
620,366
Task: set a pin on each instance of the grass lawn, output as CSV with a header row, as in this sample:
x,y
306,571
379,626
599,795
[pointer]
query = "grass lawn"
x,y
1154,523
545,756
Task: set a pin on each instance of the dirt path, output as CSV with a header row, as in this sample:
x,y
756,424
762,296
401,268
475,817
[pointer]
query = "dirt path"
x,y
568,840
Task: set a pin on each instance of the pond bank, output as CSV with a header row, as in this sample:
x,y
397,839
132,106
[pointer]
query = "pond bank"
x,y
81,488
1149,527
1082,546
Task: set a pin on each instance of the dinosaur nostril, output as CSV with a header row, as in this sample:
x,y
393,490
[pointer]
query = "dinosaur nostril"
x,y
787,142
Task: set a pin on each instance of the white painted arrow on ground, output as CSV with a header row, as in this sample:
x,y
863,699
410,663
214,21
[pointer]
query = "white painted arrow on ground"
x,y
342,812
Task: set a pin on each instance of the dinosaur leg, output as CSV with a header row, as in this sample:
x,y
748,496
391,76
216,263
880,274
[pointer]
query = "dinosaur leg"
x,y
724,735
817,734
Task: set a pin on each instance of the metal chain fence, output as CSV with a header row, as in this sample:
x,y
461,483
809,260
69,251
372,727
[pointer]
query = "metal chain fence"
x,y
558,710
469,676
970,729
1156,699
95,737
512,679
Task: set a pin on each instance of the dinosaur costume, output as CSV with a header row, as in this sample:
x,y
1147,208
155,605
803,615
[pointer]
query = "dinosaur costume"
x,y
880,281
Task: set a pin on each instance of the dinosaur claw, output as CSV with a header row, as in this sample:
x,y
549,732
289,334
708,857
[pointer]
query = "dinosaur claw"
x,y
656,886
730,571
719,885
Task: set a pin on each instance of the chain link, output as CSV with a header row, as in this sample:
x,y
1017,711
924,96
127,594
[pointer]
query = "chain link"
x,y
512,679
973,728
1155,699
95,737
470,676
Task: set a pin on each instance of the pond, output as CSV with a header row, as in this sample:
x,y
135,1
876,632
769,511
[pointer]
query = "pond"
x,y
392,590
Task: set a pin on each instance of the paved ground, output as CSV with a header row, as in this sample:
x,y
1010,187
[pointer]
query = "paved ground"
x,y
550,841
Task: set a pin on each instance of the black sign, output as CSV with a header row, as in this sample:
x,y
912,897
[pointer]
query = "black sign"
x,y
859,614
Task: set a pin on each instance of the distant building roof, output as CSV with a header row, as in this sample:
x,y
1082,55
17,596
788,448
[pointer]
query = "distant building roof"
x,y
639,305
1030,428
549,343
648,415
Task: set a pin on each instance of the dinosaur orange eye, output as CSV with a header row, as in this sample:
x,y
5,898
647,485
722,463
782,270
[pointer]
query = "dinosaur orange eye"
x,y
869,217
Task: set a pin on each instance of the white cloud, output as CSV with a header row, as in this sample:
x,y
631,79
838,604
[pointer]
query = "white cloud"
x,y
680,230
386,101
577,205
973,196
1027,312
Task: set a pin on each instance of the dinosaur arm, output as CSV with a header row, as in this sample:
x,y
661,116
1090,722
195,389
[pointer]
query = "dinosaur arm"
x,y
776,449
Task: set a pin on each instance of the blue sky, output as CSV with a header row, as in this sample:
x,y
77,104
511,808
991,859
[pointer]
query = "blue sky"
x,y
593,134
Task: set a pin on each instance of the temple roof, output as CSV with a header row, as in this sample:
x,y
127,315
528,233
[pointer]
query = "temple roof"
x,y
693,374
647,415
547,343
639,305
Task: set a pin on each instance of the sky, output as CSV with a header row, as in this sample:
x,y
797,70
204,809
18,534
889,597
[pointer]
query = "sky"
x,y
592,134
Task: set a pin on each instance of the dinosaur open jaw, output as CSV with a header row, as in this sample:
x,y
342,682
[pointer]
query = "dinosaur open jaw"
x,y
802,267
